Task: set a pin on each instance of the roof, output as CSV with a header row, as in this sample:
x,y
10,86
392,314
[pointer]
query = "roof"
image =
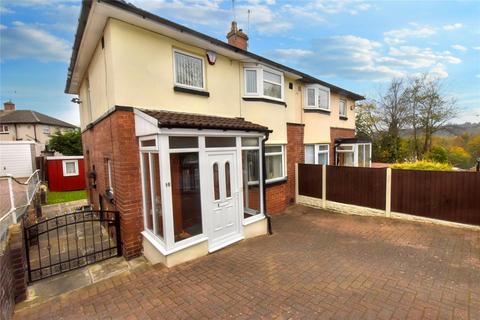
x,y
30,116
352,140
170,119
120,4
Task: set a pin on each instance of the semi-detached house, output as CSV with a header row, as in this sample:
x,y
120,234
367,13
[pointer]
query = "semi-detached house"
x,y
192,139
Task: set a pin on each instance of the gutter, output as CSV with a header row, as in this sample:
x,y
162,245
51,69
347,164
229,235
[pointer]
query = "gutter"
x,y
264,185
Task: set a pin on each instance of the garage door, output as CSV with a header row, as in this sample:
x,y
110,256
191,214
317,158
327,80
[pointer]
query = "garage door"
x,y
17,158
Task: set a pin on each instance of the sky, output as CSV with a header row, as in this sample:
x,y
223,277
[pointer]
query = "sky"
x,y
355,44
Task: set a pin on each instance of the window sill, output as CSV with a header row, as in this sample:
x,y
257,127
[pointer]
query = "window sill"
x,y
343,118
262,99
316,110
191,91
276,181
4,132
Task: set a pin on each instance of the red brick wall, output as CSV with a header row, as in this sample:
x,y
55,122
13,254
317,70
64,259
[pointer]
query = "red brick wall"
x,y
114,138
13,283
295,154
336,133
277,198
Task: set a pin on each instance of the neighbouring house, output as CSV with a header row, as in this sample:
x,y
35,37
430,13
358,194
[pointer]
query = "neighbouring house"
x,y
29,125
192,139
66,173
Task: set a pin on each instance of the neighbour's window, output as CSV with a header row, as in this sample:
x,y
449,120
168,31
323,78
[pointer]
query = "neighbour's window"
x,y
317,97
4,128
342,108
263,82
46,129
274,162
70,168
317,154
189,70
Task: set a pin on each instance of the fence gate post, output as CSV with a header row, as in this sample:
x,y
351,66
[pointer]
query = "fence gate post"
x,y
388,193
324,186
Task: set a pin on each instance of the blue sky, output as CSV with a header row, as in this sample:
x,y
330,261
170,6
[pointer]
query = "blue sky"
x,y
359,45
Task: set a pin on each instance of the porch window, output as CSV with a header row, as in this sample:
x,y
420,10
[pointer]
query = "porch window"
x,y
317,154
220,142
189,70
345,155
364,155
251,176
274,161
152,193
185,185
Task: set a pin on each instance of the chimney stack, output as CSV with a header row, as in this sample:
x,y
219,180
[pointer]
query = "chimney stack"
x,y
236,37
9,106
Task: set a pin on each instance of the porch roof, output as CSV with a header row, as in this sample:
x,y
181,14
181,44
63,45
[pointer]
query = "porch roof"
x,y
170,119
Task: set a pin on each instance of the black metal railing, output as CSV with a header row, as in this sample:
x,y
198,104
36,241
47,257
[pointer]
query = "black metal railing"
x,y
71,241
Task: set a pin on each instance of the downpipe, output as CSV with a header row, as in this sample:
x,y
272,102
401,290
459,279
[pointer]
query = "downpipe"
x,y
264,185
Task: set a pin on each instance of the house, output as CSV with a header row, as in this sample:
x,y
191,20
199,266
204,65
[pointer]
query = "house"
x,y
29,125
192,139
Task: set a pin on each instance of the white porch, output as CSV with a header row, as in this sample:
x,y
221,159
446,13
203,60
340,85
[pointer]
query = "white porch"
x,y
203,189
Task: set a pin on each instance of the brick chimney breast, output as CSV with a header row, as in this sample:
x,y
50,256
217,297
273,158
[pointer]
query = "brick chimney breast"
x,y
236,37
9,106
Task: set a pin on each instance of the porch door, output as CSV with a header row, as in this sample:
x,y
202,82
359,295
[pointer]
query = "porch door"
x,y
224,215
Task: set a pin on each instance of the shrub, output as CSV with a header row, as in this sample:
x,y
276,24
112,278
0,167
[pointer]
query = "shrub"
x,y
423,165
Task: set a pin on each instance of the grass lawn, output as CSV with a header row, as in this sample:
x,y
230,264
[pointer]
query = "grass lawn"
x,y
57,197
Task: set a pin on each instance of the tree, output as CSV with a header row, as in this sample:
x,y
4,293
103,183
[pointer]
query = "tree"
x,y
458,157
438,154
68,143
366,120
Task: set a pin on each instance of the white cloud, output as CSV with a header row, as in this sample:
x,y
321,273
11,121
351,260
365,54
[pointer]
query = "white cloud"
x,y
318,10
459,47
397,36
453,26
476,48
4,10
293,53
29,41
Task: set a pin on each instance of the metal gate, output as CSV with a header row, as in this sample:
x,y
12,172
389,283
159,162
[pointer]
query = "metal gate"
x,y
71,241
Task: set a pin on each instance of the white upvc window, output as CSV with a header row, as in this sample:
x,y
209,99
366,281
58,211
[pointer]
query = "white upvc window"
x,y
317,154
189,70
70,168
317,97
4,128
264,82
46,129
342,107
275,162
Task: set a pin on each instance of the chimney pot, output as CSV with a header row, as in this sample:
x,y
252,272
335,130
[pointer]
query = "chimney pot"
x,y
236,37
8,106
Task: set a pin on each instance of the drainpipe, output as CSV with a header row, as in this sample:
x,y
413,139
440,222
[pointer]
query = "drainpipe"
x,y
264,185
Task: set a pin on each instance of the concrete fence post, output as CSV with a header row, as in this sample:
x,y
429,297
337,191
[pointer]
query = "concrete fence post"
x,y
296,182
324,186
388,193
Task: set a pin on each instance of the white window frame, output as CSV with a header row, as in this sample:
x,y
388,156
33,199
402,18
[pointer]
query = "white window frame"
x,y
46,129
2,128
340,107
282,153
316,151
317,89
354,149
260,79
175,51
109,172
64,166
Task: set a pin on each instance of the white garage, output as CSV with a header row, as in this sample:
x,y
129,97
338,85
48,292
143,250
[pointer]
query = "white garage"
x,y
17,158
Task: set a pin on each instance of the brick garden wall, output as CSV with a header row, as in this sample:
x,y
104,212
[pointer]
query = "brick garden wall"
x,y
114,138
13,283
336,133
295,154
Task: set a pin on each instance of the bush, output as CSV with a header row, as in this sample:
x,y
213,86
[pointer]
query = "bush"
x,y
438,154
459,157
423,165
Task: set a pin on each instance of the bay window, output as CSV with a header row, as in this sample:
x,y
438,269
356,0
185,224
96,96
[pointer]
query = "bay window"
x,y
275,162
317,154
189,70
263,82
317,97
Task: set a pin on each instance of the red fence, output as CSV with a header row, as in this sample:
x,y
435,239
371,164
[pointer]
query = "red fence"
x,y
451,196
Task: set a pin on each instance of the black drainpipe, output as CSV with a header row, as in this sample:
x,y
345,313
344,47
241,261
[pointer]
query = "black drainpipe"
x,y
264,185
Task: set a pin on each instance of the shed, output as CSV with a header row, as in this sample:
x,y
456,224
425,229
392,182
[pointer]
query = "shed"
x,y
66,173
17,158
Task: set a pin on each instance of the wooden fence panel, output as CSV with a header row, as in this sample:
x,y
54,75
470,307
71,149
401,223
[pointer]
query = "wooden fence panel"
x,y
357,186
451,196
310,180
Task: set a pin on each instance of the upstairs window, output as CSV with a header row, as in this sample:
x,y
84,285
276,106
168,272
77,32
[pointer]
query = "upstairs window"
x,y
4,128
317,97
264,83
189,70
46,129
342,108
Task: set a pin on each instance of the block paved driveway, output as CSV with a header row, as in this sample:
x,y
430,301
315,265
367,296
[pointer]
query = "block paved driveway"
x,y
317,265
